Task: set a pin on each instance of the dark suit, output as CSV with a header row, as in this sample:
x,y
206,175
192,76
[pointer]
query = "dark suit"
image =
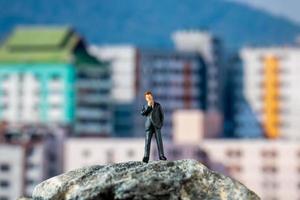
x,y
153,124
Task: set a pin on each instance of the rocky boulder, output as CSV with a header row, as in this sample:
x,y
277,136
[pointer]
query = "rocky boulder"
x,y
163,180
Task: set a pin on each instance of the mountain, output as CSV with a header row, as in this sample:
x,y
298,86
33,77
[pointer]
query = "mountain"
x,y
150,23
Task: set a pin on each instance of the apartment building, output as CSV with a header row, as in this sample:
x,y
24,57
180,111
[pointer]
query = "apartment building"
x,y
122,61
268,103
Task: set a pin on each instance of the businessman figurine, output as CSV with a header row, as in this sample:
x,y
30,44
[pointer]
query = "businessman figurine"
x,y
153,124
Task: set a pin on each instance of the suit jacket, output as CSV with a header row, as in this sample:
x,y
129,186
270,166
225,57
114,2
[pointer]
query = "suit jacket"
x,y
155,114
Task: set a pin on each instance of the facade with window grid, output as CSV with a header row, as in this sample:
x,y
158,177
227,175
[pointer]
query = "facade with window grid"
x,y
268,102
177,81
271,168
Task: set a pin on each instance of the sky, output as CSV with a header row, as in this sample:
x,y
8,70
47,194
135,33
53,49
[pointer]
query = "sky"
x,y
287,8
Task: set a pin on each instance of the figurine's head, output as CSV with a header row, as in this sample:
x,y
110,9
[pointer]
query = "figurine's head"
x,y
148,96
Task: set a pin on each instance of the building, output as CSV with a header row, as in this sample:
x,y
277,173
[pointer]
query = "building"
x,y
189,126
27,157
80,152
122,60
11,171
176,79
47,76
268,104
94,107
210,48
268,167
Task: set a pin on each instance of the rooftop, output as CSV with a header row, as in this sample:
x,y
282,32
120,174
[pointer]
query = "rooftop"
x,y
43,44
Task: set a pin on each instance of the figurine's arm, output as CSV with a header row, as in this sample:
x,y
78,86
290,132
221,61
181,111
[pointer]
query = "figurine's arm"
x,y
161,114
145,111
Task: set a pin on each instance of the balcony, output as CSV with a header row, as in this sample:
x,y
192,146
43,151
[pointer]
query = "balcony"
x,y
92,113
93,84
92,128
93,98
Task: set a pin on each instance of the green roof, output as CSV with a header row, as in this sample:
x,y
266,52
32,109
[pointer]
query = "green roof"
x,y
38,37
42,44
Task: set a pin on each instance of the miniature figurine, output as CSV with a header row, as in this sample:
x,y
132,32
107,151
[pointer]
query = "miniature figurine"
x,y
154,122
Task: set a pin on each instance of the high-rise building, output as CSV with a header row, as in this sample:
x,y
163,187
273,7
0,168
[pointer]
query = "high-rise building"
x,y
122,61
210,48
176,79
269,102
93,107
47,76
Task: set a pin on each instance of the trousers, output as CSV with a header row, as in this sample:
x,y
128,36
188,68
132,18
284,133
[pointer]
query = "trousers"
x,y
150,130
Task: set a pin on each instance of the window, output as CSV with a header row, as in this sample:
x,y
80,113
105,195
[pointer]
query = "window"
x,y
36,107
52,157
4,76
29,182
30,151
234,153
4,167
270,184
298,185
200,154
56,91
269,153
55,76
4,198
37,91
130,153
55,106
110,156
234,168
298,154
269,169
37,77
175,152
21,77
86,153
30,165
4,184
4,92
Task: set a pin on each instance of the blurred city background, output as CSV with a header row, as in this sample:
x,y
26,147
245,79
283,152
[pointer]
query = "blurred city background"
x,y
73,75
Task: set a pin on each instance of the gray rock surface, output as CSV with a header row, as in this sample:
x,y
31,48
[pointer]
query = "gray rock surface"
x,y
163,180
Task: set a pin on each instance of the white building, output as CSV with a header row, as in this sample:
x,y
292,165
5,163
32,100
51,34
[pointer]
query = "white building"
x,y
123,66
22,101
28,158
269,168
11,171
80,152
270,82
123,74
189,126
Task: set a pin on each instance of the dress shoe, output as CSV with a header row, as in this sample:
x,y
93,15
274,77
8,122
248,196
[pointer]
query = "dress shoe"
x,y
145,159
162,158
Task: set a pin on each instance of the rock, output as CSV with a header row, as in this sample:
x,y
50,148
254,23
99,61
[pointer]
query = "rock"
x,y
163,180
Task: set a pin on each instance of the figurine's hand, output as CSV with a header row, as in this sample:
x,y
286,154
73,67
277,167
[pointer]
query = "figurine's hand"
x,y
145,110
